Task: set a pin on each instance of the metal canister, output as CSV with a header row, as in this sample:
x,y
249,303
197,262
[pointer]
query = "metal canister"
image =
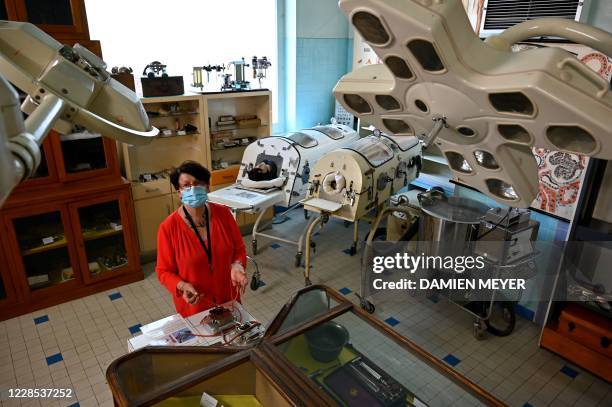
x,y
448,225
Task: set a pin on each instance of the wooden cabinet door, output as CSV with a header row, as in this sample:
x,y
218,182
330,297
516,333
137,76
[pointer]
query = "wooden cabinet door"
x,y
41,247
8,291
104,236
150,213
58,18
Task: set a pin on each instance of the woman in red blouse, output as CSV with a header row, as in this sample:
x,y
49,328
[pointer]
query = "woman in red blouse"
x,y
200,252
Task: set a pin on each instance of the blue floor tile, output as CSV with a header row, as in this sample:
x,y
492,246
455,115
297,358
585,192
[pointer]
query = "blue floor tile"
x,y
275,245
114,296
568,371
392,321
344,291
451,359
75,405
54,359
527,405
41,319
134,329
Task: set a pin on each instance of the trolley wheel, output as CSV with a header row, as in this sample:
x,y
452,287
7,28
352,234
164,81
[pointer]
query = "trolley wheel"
x,y
255,283
505,319
306,214
307,282
367,306
313,246
353,249
347,223
478,329
298,259
254,247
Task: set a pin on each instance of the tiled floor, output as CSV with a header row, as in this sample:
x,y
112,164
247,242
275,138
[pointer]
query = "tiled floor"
x,y
71,345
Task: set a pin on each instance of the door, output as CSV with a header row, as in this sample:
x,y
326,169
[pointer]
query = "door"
x,y
58,18
150,213
42,251
103,235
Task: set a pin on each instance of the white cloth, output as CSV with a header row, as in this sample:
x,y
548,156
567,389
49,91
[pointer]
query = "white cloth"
x,y
273,183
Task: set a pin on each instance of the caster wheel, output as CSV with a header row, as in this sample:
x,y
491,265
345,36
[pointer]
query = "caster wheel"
x,y
298,260
313,246
255,282
478,330
352,250
254,247
306,214
307,282
367,306
347,223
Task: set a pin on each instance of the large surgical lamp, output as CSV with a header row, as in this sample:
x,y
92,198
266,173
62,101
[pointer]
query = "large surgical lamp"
x,y
481,104
65,86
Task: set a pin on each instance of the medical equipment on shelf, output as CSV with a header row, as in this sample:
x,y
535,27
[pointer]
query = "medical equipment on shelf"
x,y
198,76
483,105
294,155
239,82
352,182
65,86
260,68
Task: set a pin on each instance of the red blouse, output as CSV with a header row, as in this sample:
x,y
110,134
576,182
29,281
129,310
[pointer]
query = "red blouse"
x,y
180,256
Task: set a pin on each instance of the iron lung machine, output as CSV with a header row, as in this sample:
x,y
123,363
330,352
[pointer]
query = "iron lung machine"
x,y
350,182
354,181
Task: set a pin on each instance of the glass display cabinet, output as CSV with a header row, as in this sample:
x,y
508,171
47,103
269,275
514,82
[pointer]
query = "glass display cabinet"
x,y
101,235
44,254
320,349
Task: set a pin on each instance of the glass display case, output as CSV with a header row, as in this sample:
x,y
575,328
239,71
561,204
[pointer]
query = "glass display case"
x,y
101,234
320,349
42,242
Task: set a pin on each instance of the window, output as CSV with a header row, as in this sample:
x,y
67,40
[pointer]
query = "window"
x,y
186,33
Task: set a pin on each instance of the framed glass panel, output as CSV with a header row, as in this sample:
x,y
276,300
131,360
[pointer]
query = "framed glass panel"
x,y
303,139
331,132
53,12
372,149
102,231
83,151
44,248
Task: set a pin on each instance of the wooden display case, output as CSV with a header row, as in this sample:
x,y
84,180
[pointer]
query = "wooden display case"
x,y
77,172
54,252
360,361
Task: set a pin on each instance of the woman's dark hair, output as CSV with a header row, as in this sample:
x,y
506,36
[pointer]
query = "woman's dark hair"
x,y
256,174
192,168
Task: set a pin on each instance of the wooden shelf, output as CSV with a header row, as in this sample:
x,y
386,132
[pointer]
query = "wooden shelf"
x,y
99,234
177,114
40,249
216,130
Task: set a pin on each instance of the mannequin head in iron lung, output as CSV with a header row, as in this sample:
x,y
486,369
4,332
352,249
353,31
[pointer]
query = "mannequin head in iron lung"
x,y
264,171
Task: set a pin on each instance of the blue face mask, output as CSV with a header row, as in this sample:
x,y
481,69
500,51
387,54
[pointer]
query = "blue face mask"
x,y
194,197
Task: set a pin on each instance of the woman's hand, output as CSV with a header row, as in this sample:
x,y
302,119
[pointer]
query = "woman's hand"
x,y
190,294
239,277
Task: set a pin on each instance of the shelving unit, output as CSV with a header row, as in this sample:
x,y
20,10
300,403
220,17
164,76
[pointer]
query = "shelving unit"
x,y
223,162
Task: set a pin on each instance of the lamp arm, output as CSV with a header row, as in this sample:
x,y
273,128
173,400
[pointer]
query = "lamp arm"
x,y
593,37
